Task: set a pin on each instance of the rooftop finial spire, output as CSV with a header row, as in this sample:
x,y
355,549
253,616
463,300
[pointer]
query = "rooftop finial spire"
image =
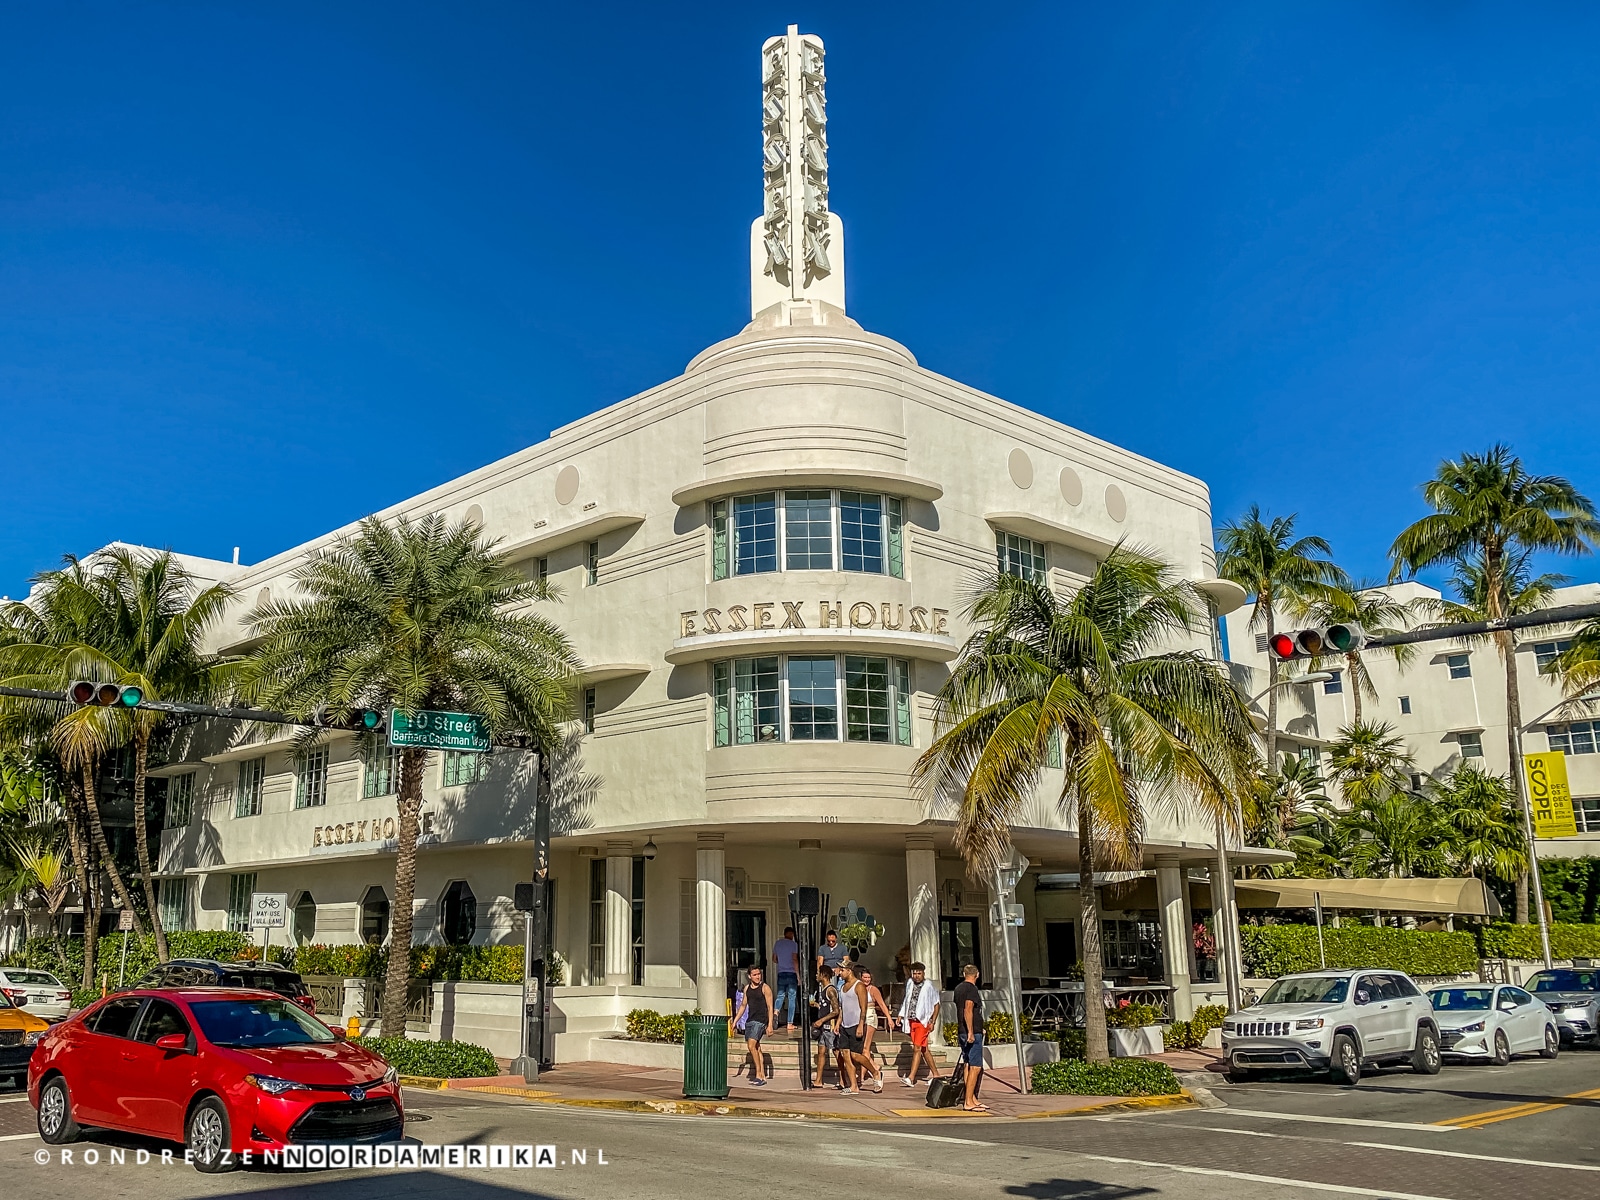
x,y
797,245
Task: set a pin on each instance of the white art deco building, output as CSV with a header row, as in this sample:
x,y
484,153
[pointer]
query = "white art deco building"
x,y
763,563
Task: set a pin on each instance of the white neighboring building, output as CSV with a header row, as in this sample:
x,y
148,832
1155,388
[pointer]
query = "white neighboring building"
x,y
1450,705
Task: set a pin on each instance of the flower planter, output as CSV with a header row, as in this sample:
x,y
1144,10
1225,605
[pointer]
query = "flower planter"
x,y
1004,1054
1213,1038
1136,1043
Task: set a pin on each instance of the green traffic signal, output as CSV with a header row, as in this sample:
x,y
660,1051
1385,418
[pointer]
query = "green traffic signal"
x,y
369,718
130,697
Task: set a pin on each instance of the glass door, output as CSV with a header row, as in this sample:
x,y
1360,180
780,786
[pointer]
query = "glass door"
x,y
958,946
747,944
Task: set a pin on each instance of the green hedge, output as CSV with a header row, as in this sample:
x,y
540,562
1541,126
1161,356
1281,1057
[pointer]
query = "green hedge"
x,y
647,1025
437,1060
1273,950
996,1028
347,962
1187,1035
1522,941
1133,1016
1119,1077
64,956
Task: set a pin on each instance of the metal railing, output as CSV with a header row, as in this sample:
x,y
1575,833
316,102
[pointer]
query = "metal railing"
x,y
419,1003
1063,1007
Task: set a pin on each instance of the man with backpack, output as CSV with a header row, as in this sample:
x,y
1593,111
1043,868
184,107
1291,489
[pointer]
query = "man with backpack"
x,y
826,1026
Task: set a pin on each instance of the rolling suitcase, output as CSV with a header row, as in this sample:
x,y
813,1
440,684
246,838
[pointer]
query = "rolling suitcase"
x,y
947,1093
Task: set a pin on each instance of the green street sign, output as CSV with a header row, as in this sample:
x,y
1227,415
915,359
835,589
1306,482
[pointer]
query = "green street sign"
x,y
438,731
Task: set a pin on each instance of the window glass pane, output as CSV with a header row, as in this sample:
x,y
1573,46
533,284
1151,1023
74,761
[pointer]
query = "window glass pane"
x,y
861,531
866,698
597,920
1544,654
722,702
1460,666
719,540
1334,686
240,889
755,534
902,702
382,772
897,555
1471,744
252,774
755,690
311,786
1020,556
1052,750
808,531
813,699
174,904
180,800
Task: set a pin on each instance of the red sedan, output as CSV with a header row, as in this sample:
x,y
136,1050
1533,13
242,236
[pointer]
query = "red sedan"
x,y
223,1070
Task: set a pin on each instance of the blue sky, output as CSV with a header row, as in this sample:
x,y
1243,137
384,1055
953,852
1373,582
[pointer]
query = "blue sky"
x,y
264,270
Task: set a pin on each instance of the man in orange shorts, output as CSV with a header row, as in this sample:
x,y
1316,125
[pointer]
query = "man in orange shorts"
x,y
917,1014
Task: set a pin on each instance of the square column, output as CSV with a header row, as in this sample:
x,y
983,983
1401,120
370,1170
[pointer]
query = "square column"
x,y
1225,911
711,924
922,899
619,913
1175,935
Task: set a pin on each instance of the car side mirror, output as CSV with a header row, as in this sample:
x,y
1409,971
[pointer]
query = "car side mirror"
x,y
173,1043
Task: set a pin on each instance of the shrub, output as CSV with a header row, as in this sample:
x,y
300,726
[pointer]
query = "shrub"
x,y
647,1025
436,1060
1522,941
997,1027
64,956
1119,1077
1209,1016
1181,1035
1273,950
347,962
470,964
1133,1016
1073,1043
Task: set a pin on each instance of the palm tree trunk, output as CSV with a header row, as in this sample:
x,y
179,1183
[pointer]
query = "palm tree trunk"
x,y
1097,1047
398,976
84,875
1508,655
1352,663
141,839
97,838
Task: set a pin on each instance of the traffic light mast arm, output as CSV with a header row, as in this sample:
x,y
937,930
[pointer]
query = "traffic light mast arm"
x,y
1564,615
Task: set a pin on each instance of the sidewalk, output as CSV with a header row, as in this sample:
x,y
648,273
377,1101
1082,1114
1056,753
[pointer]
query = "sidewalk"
x,y
656,1090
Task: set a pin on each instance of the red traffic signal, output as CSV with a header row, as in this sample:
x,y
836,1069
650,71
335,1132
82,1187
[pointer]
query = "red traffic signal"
x,y
85,693
1317,642
1282,646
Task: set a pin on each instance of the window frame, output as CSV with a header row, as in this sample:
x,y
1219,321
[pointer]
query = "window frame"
x,y
724,518
1459,665
240,888
1573,738
251,785
1334,686
450,769
1470,743
174,913
372,774
591,564
589,706
311,779
738,723
1546,653
181,804
1035,568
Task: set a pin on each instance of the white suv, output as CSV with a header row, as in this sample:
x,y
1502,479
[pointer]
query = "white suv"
x,y
1334,1021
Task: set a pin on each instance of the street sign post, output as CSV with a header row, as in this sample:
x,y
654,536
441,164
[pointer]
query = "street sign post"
x,y
268,911
426,730
124,923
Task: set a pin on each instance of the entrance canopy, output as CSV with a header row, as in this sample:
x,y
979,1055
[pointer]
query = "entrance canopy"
x,y
1462,897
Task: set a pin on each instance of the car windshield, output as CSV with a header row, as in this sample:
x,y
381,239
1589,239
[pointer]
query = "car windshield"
x,y
1461,999
37,978
258,1023
1308,989
1565,981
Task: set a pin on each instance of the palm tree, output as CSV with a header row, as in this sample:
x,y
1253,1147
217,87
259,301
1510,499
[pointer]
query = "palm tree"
x,y
1266,559
1397,833
1378,613
1483,830
411,616
1369,761
1279,814
1139,724
1490,514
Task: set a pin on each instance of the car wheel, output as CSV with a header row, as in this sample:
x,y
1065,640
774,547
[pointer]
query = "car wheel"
x,y
207,1137
1502,1048
1234,1075
1552,1042
1425,1058
1346,1065
56,1126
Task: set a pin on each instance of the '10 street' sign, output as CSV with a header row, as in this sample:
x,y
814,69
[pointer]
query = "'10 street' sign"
x,y
438,731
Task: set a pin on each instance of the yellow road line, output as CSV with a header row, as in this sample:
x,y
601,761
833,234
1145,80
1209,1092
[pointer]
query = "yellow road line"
x,y
1494,1115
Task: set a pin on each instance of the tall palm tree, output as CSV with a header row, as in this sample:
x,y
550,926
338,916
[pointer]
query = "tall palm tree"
x,y
1490,514
1264,557
411,616
1484,831
1140,725
1397,834
1369,761
1279,815
1377,612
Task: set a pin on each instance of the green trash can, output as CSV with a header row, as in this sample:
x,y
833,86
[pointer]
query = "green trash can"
x,y
705,1057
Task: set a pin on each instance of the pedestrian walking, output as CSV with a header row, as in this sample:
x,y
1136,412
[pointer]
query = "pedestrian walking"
x,y
876,1006
852,1030
916,1020
755,1007
786,954
826,1026
969,1031
832,952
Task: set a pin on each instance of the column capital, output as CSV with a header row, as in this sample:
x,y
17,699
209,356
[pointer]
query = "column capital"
x,y
920,841
1168,861
619,849
708,841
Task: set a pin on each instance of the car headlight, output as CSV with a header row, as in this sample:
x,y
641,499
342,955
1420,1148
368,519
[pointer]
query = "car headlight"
x,y
1229,1027
1309,1023
34,1036
391,1076
273,1086
1475,1027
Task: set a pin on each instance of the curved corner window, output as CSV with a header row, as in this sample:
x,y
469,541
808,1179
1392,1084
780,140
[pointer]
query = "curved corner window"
x,y
1020,556
374,916
808,530
811,698
458,914
305,920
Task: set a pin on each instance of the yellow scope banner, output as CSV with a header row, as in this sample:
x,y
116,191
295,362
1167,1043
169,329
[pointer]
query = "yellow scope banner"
x,y
1549,795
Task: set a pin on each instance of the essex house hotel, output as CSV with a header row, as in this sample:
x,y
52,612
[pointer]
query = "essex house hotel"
x,y
763,564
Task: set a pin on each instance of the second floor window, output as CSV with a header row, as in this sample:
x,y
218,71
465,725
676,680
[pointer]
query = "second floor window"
x,y
311,782
461,766
591,564
252,779
1460,666
812,698
180,800
808,530
1575,737
1546,653
1471,744
1020,556
381,776
1332,687
588,710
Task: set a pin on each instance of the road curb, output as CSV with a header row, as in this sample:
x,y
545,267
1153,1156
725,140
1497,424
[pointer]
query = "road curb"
x,y
1183,1099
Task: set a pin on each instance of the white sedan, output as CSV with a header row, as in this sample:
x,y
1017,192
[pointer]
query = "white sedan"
x,y
1493,1021
40,992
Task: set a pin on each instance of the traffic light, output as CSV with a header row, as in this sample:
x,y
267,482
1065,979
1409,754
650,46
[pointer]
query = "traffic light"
x,y
1317,642
361,719
85,692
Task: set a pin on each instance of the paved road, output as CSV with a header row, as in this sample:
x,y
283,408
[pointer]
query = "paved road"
x,y
1529,1130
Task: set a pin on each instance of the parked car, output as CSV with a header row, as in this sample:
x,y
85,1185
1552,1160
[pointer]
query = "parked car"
x,y
1334,1021
207,972
1493,1022
20,1031
216,1069
45,995
1573,993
